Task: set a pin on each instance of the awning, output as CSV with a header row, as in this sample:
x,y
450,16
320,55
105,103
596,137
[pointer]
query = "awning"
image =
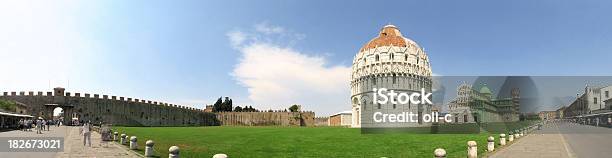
x,y
16,115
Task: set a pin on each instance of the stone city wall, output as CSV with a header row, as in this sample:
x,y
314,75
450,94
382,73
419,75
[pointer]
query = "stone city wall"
x,y
114,110
306,118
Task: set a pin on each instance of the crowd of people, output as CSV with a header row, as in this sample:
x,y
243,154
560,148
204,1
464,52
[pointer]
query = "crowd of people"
x,y
38,124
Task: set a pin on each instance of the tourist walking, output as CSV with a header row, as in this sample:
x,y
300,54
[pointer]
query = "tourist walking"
x,y
86,134
38,126
29,125
44,124
20,124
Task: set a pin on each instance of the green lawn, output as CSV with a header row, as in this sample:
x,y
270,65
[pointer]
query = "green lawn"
x,y
299,142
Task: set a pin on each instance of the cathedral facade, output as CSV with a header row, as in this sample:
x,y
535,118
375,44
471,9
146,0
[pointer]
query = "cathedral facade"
x,y
389,61
479,106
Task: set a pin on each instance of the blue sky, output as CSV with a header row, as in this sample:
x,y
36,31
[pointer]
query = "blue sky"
x,y
182,51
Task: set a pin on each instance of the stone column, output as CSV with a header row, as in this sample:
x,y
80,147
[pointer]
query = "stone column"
x,y
133,143
219,156
510,137
123,139
127,140
490,143
502,139
115,135
173,152
439,153
149,148
472,151
516,134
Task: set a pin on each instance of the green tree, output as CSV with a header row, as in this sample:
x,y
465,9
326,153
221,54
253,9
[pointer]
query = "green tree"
x,y
8,105
217,105
294,108
238,109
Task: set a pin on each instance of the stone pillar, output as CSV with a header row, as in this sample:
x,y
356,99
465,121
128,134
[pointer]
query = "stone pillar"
x,y
490,143
502,139
439,153
516,134
173,152
133,143
219,156
149,148
510,137
115,135
123,139
472,151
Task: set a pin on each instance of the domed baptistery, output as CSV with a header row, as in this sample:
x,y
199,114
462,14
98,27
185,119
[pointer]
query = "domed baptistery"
x,y
396,63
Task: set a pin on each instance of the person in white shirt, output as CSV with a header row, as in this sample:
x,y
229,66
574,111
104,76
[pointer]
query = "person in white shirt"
x,y
87,134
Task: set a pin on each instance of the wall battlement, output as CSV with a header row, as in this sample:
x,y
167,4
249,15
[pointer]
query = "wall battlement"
x,y
127,111
114,110
94,96
276,118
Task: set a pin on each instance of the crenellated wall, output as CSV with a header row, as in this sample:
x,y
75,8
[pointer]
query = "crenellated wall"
x,y
279,118
114,110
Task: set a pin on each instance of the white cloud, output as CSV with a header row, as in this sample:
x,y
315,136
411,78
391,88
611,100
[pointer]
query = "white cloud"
x,y
269,29
236,38
277,76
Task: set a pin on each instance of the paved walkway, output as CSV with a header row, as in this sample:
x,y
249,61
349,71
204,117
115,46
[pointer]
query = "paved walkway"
x,y
54,132
562,139
536,145
73,145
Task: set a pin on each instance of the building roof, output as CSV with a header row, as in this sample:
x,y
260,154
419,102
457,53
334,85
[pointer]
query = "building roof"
x,y
389,35
12,114
485,90
343,112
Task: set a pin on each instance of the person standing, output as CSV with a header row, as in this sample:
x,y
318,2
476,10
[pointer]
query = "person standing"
x,y
29,125
44,124
86,134
20,124
48,125
38,126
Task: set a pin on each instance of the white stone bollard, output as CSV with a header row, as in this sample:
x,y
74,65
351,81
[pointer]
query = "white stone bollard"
x,y
516,134
439,153
502,139
220,156
472,151
133,143
126,141
149,148
123,139
510,137
490,143
115,135
521,133
173,152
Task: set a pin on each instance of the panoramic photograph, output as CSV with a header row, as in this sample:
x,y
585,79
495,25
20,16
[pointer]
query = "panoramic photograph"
x,y
305,79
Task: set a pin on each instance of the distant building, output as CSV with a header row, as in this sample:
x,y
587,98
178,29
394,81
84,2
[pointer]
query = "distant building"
x,y
560,112
341,119
593,100
547,115
209,108
479,106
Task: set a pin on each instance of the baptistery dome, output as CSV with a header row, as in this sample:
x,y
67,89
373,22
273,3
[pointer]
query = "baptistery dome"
x,y
391,48
390,61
